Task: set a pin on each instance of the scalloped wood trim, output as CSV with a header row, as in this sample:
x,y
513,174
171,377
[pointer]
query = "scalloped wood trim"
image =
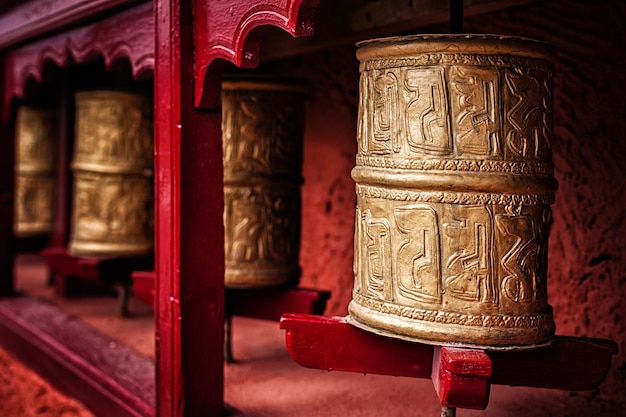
x,y
238,37
126,35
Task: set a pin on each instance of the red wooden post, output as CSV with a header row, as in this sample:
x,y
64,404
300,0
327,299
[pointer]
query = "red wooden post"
x,y
461,377
188,163
167,208
6,195
63,187
189,228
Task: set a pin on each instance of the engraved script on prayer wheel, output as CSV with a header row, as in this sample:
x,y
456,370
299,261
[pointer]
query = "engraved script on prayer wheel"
x,y
454,181
113,204
35,165
262,125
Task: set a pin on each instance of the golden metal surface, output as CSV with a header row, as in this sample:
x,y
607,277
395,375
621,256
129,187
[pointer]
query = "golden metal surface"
x,y
262,125
113,203
35,165
454,182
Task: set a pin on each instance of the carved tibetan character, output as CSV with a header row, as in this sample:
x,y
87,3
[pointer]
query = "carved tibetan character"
x,y
454,183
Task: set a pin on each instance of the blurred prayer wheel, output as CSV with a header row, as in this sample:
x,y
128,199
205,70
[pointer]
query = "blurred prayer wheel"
x,y
454,181
113,204
35,165
262,152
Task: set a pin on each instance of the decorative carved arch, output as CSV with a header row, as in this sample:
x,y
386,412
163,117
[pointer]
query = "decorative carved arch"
x,y
108,38
237,38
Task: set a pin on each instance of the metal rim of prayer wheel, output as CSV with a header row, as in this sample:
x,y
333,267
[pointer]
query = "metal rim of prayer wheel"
x,y
454,181
262,137
35,165
113,203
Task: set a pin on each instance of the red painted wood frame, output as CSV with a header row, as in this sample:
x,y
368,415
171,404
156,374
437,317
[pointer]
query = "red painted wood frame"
x,y
188,161
193,42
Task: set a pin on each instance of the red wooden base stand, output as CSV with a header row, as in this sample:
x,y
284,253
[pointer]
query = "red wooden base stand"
x,y
461,376
257,303
95,274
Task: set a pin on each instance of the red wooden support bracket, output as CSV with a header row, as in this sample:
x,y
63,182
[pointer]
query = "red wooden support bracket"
x,y
461,376
100,270
272,303
63,264
143,286
331,344
570,363
259,303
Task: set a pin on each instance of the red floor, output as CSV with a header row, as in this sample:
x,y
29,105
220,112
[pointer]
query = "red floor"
x,y
266,382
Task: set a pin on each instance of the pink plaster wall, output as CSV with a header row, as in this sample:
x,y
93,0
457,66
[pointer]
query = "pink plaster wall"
x,y
587,262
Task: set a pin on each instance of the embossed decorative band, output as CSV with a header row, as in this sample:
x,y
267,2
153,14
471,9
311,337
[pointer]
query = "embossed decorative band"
x,y
458,59
369,191
454,181
436,316
469,165
444,329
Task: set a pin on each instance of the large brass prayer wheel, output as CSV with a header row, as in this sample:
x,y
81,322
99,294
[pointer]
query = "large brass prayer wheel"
x,y
113,204
454,181
35,166
262,132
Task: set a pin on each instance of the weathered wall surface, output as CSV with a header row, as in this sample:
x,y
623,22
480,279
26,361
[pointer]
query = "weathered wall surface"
x,y
587,264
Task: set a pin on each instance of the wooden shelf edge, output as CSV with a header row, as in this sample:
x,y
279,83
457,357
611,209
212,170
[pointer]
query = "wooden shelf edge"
x,y
105,375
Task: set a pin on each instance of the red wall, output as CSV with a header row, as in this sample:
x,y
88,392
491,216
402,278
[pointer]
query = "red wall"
x,y
587,262
587,270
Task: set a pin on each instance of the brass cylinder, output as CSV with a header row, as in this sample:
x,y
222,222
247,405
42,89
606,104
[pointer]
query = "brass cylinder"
x,y
113,203
262,127
454,181
35,165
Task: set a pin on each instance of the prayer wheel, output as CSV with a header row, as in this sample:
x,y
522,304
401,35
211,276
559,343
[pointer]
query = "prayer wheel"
x,y
454,181
262,127
113,203
35,165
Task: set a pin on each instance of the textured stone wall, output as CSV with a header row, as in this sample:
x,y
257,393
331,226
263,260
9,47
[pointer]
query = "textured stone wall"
x,y
587,252
587,255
